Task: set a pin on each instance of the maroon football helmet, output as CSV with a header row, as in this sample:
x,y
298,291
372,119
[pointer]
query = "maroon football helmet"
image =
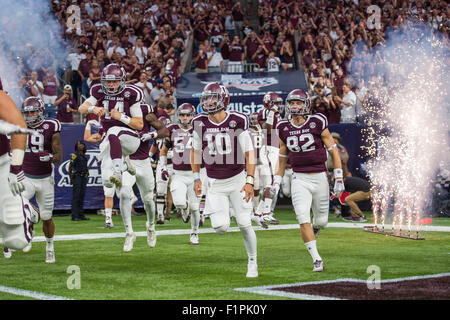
x,y
185,108
298,95
111,74
164,120
29,107
214,97
272,100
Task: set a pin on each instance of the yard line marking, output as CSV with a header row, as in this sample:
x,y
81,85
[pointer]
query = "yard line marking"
x,y
267,290
31,294
93,236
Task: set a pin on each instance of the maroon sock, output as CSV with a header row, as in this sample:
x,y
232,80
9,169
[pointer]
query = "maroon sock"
x,y
115,149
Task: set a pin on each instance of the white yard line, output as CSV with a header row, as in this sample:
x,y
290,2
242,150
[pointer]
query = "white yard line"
x,y
268,290
31,294
91,236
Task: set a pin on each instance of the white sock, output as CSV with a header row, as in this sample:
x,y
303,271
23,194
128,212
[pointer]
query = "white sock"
x,y
260,207
195,221
267,205
256,202
108,213
312,248
49,246
149,207
125,208
250,243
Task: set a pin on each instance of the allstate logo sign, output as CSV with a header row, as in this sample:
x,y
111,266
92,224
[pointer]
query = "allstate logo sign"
x,y
95,178
246,84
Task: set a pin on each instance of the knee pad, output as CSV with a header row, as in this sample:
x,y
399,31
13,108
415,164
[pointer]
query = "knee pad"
x,y
148,198
222,229
126,192
12,211
109,192
15,241
47,209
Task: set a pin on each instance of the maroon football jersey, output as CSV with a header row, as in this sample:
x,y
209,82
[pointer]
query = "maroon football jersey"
x,y
257,139
4,144
222,155
37,142
306,150
271,138
127,102
181,145
142,152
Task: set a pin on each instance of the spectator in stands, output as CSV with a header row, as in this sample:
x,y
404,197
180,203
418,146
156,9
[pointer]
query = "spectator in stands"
x,y
140,51
259,57
230,25
115,48
37,87
286,56
215,60
51,85
251,42
201,60
83,70
238,16
157,92
95,73
66,106
146,87
347,103
225,49
236,56
273,62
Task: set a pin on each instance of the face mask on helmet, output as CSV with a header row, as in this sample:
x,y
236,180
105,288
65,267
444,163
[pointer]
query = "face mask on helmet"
x,y
298,106
112,87
33,111
211,102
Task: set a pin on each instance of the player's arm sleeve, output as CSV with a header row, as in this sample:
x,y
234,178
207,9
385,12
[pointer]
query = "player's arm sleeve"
x,y
136,111
245,141
196,141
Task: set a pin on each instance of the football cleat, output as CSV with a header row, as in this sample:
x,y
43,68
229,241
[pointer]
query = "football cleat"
x,y
259,221
347,218
130,168
151,235
7,253
268,217
109,223
160,220
130,238
318,266
50,256
252,270
194,239
116,179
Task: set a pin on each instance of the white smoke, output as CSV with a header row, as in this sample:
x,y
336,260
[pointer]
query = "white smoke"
x,y
29,32
408,123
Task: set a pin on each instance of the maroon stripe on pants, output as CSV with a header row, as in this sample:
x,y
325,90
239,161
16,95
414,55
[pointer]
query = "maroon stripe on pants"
x,y
26,227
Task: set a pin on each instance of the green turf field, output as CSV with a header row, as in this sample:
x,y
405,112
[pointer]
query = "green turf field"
x,y
175,270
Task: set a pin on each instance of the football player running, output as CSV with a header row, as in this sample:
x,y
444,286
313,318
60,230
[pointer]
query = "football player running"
x,y
268,117
141,164
17,215
304,140
257,139
222,142
119,106
182,179
163,180
43,149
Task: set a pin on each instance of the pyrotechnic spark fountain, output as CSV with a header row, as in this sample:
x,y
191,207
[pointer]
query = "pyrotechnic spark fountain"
x,y
407,128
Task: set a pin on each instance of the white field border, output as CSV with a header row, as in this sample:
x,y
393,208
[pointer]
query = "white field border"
x,y
31,294
268,290
93,236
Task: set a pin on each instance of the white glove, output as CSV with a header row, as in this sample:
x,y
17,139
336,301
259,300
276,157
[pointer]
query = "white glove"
x,y
15,179
149,135
339,186
45,156
275,186
9,128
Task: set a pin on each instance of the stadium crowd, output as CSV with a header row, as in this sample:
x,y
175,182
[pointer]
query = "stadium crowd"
x,y
149,39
